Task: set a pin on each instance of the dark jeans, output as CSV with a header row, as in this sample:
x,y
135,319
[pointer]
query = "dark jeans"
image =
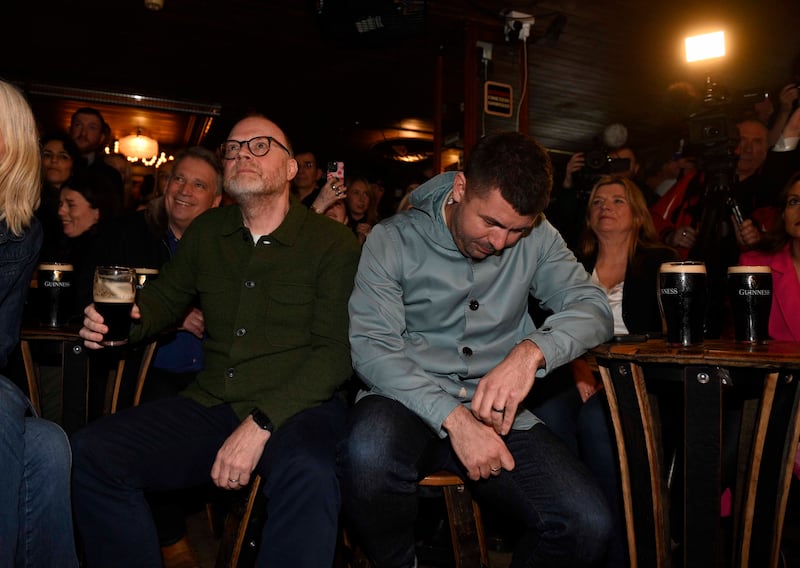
x,y
172,443
586,428
564,517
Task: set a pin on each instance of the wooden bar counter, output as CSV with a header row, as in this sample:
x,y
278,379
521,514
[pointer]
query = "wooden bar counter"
x,y
764,378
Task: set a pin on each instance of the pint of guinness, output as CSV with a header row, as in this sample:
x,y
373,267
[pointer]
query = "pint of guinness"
x,y
114,293
750,295
682,296
143,276
54,293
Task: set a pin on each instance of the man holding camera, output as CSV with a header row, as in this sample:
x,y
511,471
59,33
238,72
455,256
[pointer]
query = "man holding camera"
x,y
712,214
568,208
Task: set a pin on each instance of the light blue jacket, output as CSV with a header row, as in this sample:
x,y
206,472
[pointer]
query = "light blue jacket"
x,y
426,322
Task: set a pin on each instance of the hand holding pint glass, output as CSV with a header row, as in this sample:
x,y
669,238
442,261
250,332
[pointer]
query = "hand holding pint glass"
x,y
750,294
114,293
682,297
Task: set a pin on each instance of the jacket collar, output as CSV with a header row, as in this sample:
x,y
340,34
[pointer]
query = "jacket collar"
x,y
287,232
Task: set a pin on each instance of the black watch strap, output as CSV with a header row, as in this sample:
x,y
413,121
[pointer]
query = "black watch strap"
x,y
262,420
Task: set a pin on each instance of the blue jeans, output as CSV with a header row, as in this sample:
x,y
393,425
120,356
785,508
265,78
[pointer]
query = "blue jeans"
x,y
35,515
172,443
549,493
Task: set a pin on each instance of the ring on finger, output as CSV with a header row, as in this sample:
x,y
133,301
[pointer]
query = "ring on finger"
x,y
495,469
500,410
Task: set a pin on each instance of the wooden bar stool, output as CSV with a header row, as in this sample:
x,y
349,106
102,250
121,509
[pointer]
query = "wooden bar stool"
x,y
238,544
464,514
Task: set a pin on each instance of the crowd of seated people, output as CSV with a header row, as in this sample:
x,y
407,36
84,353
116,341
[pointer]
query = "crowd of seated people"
x,y
611,242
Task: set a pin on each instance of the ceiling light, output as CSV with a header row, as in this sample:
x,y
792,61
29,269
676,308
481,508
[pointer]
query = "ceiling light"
x,y
154,5
138,147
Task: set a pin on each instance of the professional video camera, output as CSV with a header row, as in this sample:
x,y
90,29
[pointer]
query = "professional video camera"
x,y
713,134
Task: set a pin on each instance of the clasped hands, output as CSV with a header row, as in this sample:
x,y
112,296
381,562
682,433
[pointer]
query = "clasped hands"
x,y
476,434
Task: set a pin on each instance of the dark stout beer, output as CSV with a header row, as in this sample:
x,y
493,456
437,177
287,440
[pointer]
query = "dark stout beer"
x,y
114,293
54,293
682,296
750,294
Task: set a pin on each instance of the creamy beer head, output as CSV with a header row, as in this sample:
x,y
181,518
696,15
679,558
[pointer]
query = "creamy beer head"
x,y
56,266
749,270
690,267
144,275
113,292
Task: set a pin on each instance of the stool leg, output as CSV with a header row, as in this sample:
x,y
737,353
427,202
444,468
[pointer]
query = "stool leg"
x,y
466,528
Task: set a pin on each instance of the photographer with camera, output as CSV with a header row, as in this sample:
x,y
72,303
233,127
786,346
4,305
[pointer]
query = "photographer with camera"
x,y
583,170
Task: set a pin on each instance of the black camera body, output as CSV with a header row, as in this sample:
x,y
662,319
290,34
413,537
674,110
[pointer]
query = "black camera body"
x,y
713,134
598,162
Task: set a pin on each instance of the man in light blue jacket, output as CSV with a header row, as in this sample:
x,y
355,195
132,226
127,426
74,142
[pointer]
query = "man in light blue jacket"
x,y
441,337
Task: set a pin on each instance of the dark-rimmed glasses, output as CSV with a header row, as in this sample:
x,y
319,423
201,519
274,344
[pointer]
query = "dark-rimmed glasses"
x,y
258,146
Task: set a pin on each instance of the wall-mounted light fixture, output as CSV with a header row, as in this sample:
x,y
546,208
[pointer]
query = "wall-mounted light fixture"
x,y
154,5
138,147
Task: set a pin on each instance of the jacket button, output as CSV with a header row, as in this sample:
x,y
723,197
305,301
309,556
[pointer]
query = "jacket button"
x,y
474,305
229,373
467,351
249,284
241,332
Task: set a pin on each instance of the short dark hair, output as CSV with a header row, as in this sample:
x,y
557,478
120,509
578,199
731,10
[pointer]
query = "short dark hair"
x,y
517,165
93,111
206,155
69,147
97,189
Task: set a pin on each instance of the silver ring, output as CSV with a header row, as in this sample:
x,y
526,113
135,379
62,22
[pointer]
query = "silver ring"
x,y
234,480
500,410
495,469
683,233
334,187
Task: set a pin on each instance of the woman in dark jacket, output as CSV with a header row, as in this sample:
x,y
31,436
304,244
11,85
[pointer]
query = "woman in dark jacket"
x,y
86,203
621,251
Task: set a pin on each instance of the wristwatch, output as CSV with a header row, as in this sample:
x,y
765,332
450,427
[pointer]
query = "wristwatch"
x,y
262,420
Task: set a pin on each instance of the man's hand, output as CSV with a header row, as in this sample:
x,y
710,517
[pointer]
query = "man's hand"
x,y
239,455
93,327
194,323
477,445
684,236
576,162
502,389
747,234
792,127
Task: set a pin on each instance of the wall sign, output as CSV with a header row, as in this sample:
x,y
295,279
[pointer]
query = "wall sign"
x,y
497,98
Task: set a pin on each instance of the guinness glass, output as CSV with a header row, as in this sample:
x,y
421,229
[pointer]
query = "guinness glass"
x,y
54,293
682,296
114,293
143,276
750,294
